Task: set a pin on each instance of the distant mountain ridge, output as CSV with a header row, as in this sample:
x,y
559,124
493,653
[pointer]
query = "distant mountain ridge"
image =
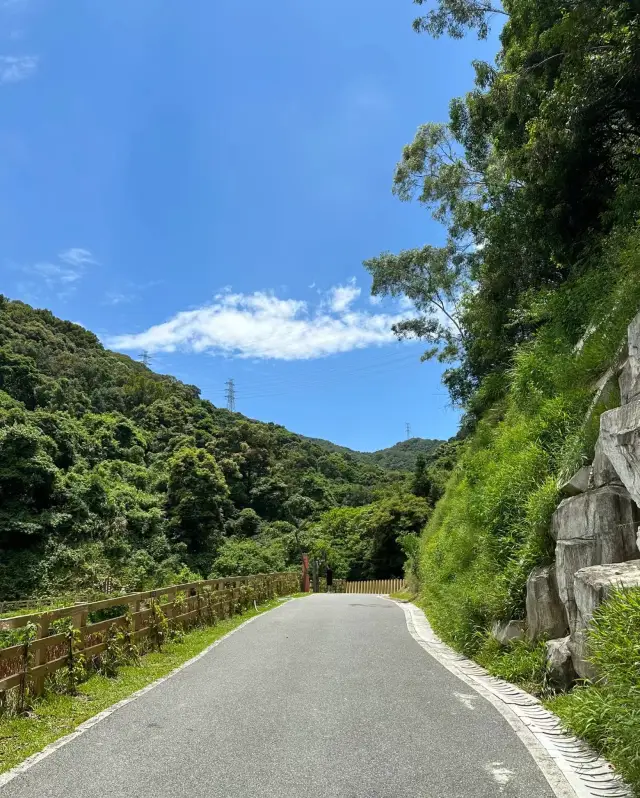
x,y
399,457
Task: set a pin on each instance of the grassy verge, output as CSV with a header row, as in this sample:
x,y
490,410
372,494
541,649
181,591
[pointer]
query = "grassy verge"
x,y
522,662
402,595
55,715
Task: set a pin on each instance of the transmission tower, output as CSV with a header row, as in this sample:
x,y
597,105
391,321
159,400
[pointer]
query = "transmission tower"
x,y
408,429
230,395
145,358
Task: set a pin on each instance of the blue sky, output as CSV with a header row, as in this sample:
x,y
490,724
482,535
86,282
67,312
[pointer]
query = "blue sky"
x,y
203,179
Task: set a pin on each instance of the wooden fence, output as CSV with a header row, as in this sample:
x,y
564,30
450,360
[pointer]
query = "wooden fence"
x,y
380,586
212,599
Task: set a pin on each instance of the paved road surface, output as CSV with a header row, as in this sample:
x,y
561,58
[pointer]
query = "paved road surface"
x,y
325,696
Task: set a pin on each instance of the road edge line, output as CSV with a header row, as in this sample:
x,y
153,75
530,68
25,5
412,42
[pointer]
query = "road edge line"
x,y
51,748
570,767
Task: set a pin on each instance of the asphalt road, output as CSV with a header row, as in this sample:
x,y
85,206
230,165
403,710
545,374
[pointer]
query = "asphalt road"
x,y
324,696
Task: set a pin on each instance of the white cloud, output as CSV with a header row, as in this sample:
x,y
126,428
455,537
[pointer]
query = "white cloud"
x,y
15,68
375,300
261,325
341,297
76,256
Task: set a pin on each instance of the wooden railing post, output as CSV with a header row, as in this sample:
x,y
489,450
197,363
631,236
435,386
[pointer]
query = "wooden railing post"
x,y
79,621
170,607
40,656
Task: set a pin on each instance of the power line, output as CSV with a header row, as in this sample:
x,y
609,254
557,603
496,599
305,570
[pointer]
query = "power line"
x,y
230,395
283,385
320,370
145,358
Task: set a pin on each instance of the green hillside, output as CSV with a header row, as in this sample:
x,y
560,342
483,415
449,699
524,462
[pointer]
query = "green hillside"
x,y
108,469
399,457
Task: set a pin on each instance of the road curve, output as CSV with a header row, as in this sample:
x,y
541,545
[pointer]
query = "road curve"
x,y
325,696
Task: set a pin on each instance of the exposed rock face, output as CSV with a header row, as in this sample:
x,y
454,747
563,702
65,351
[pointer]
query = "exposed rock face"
x,y
620,441
559,663
579,482
596,529
578,646
592,515
546,616
506,633
592,586
602,472
629,379
592,528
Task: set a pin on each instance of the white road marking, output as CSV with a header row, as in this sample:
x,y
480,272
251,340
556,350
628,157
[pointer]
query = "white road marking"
x,y
501,774
466,699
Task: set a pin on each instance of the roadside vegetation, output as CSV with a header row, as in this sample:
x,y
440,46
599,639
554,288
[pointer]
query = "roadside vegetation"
x,y
403,595
61,709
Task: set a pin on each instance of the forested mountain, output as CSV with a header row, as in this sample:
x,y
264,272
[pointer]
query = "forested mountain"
x,y
108,469
401,456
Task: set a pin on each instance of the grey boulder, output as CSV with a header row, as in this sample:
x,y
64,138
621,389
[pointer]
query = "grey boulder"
x,y
591,529
602,472
629,380
559,663
579,482
546,616
620,442
592,586
507,632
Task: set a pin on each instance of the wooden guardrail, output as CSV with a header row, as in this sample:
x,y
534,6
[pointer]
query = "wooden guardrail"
x,y
380,586
211,599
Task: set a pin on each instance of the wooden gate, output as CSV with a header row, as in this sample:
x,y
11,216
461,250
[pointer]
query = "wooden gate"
x,y
379,586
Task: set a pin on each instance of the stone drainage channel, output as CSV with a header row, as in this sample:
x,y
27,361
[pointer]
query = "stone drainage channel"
x,y
572,769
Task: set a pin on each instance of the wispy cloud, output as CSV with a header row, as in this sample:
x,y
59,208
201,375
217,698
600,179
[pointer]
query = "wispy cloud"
x,y
16,68
261,325
117,298
341,297
76,256
55,272
63,272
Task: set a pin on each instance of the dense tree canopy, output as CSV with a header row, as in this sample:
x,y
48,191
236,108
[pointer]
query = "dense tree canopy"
x,y
534,166
108,469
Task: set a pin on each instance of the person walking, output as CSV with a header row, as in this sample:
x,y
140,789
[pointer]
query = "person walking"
x,y
329,579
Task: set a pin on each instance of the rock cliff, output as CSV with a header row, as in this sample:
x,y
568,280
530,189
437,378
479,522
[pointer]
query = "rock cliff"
x,y
595,529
